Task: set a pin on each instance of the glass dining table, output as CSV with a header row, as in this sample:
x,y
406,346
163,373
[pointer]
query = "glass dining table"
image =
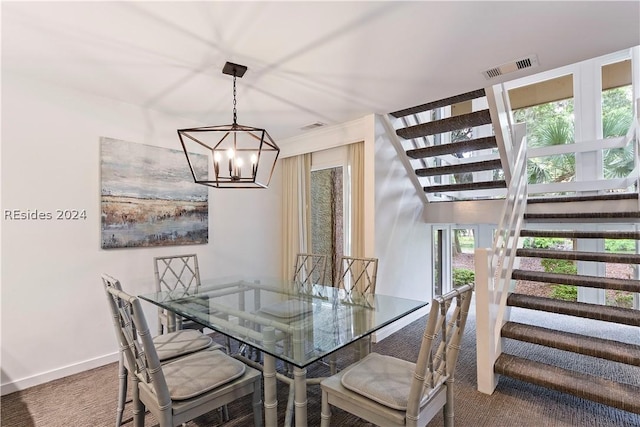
x,y
285,321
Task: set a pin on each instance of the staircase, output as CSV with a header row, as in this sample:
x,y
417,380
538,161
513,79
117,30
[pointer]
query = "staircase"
x,y
457,154
543,218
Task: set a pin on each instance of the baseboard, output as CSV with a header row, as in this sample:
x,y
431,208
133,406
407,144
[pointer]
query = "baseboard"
x,y
396,326
56,374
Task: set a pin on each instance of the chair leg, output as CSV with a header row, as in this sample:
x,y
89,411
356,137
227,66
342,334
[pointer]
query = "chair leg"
x,y
138,406
325,414
333,364
448,406
122,389
257,403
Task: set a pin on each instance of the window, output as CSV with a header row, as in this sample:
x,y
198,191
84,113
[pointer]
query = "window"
x,y
547,109
327,216
617,116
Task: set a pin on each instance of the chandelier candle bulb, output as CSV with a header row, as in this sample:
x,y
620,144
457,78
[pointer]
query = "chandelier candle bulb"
x,y
216,164
254,160
239,163
230,155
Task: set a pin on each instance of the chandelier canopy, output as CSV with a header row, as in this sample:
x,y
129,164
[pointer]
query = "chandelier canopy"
x,y
230,156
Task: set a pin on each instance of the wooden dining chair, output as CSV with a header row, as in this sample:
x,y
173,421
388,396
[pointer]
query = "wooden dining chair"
x,y
388,391
169,346
184,388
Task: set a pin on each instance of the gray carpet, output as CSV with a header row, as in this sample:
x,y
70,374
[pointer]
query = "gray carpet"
x,y
89,398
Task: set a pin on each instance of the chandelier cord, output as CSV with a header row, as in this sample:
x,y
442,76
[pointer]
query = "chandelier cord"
x,y
235,114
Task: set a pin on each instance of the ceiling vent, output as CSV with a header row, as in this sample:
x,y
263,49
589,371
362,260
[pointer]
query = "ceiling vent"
x,y
313,126
530,61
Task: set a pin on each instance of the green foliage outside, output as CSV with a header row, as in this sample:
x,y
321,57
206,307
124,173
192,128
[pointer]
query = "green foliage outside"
x,y
543,242
565,292
620,246
553,124
462,276
623,299
562,266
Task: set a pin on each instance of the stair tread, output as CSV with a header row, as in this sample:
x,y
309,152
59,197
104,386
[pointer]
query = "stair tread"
x,y
461,168
628,285
582,344
465,186
561,199
605,313
583,215
440,103
476,118
458,147
580,255
612,393
572,234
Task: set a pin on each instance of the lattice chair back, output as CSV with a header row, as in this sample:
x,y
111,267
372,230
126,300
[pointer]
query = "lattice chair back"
x,y
439,350
357,276
136,341
177,273
309,270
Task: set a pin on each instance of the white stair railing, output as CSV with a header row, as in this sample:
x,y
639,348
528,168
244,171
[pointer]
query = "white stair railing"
x,y
493,271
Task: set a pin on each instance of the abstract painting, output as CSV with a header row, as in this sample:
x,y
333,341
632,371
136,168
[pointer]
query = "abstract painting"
x,y
149,197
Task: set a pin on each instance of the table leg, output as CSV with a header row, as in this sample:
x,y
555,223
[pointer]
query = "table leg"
x,y
269,378
300,398
299,380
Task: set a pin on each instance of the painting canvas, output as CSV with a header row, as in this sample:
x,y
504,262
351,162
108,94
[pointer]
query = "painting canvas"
x,y
149,197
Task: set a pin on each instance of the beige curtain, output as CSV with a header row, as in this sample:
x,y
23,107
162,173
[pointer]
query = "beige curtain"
x,y
355,159
296,213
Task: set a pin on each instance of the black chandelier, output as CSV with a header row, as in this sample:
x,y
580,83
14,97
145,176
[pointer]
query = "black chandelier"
x,y
230,156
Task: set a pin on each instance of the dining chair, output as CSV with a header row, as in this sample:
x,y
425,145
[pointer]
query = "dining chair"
x,y
357,276
184,388
357,279
388,391
309,270
176,273
168,346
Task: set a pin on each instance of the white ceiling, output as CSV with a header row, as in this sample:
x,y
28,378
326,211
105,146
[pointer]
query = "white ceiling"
x,y
308,61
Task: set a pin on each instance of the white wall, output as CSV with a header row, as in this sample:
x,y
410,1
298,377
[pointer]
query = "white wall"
x,y
54,314
402,238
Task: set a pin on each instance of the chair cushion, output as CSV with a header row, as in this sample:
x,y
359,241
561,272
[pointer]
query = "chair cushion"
x,y
179,343
383,379
287,309
200,372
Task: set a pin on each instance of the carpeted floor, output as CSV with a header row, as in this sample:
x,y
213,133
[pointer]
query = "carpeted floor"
x,y
88,399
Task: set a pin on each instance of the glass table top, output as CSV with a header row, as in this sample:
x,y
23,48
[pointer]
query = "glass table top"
x,y
291,323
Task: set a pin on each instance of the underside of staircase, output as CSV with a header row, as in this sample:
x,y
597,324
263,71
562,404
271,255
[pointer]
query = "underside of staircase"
x,y
548,218
447,153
